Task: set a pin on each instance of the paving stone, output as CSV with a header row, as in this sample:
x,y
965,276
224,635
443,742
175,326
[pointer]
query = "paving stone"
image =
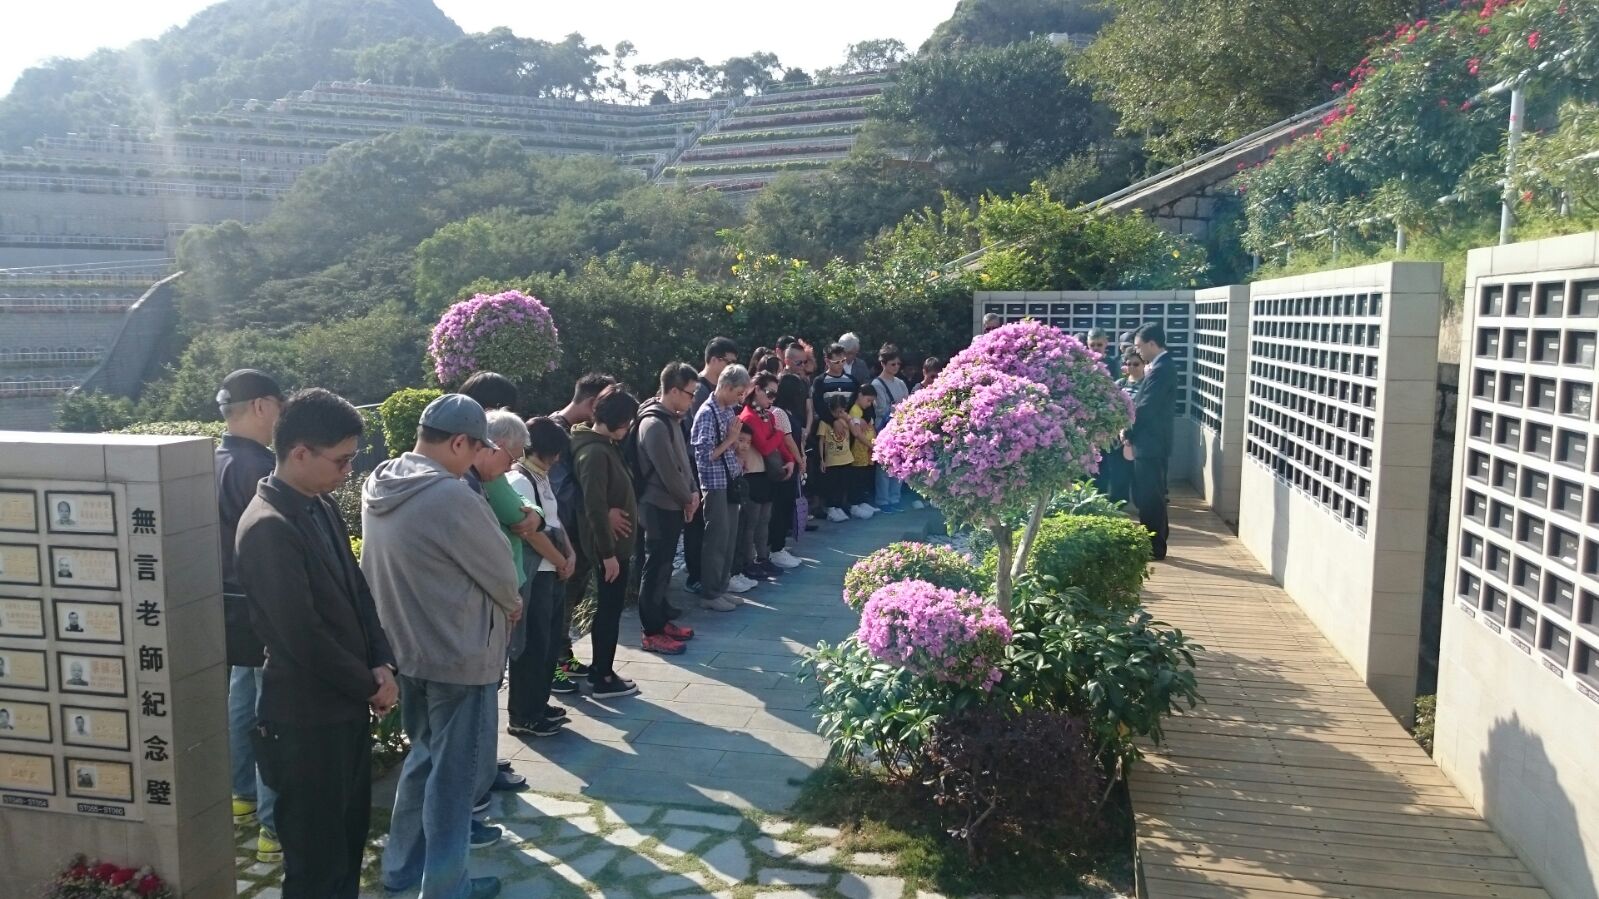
x,y
872,860
240,886
523,831
262,869
566,873
591,863
679,841
926,895
625,837
570,848
675,883
822,856
637,866
791,877
865,886
729,861
824,833
533,805
269,893
775,827
574,827
773,847
503,865
788,894
687,818
629,813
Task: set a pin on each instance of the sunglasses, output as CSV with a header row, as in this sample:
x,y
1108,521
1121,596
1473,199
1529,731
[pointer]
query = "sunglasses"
x,y
770,394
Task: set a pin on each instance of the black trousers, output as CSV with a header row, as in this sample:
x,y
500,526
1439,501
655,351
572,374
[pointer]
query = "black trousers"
x,y
783,496
611,596
323,777
694,544
1149,495
533,671
662,527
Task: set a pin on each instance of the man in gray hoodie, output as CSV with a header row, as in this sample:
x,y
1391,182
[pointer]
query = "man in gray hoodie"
x,y
446,591
668,497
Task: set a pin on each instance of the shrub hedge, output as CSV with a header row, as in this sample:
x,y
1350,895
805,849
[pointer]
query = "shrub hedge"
x,y
401,413
1108,557
937,565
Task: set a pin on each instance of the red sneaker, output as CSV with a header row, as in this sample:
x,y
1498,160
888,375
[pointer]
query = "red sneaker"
x,y
679,633
662,644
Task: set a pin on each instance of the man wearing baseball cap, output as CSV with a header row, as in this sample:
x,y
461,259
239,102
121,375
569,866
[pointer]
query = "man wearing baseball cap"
x,y
249,401
447,594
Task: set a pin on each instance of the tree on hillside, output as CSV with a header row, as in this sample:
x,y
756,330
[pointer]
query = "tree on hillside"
x,y
409,62
1190,74
567,70
872,56
831,215
618,82
998,115
995,23
742,74
679,78
796,75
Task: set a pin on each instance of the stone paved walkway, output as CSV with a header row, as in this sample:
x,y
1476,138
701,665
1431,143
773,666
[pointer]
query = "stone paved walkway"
x,y
678,791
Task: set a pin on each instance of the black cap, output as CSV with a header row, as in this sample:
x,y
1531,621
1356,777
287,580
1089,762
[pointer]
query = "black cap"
x,y
247,384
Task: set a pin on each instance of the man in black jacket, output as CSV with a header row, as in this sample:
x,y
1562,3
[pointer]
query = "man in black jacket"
x,y
249,401
327,659
1151,433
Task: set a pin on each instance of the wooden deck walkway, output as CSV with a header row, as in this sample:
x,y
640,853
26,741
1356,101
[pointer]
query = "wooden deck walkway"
x,y
1291,779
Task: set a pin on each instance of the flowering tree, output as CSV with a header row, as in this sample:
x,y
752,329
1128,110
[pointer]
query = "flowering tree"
x,y
511,333
938,565
952,636
1014,419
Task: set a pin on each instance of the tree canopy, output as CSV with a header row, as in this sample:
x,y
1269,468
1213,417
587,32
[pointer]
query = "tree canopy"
x,y
995,23
1190,74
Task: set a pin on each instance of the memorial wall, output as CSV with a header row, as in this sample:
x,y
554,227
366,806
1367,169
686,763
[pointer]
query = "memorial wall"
x,y
113,724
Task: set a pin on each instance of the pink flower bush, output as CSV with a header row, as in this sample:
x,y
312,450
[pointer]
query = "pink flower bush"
x,y
510,333
1016,417
952,636
938,565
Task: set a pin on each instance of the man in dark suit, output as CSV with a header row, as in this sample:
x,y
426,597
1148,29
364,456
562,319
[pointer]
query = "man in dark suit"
x,y
1151,433
327,658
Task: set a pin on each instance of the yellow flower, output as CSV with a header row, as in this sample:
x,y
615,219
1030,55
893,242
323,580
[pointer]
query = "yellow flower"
x,y
1176,254
729,307
740,257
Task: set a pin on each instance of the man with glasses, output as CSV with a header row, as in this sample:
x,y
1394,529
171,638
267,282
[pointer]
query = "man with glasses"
x,y
720,352
327,658
250,401
447,592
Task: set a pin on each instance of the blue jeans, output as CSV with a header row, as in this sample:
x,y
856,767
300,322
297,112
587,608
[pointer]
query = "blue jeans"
x,y
244,688
438,784
888,489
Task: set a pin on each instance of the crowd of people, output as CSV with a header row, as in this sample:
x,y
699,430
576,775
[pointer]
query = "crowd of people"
x,y
477,546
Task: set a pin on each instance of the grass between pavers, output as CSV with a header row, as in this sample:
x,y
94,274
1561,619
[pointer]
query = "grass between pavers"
x,y
875,815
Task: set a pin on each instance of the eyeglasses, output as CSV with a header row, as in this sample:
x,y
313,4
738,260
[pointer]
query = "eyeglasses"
x,y
770,394
344,461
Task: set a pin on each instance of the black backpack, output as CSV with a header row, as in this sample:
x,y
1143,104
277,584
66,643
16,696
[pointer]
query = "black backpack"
x,y
630,447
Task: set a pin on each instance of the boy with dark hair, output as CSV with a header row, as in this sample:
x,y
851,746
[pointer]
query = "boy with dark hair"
x,y
607,490
327,658
492,390
862,434
569,494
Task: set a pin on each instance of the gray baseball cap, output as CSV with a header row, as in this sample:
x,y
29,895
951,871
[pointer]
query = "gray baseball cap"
x,y
457,413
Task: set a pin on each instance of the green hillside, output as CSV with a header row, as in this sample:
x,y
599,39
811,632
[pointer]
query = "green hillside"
x,y
235,49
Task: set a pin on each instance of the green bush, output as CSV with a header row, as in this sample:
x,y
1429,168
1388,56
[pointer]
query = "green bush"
x,y
212,429
872,711
1426,718
401,413
1070,654
1108,557
938,565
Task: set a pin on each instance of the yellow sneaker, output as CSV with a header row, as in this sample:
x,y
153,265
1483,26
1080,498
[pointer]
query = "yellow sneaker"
x,y
267,847
243,810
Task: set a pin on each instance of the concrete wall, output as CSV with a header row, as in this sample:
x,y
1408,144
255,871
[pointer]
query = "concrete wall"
x,y
1518,679
1216,401
1338,440
132,352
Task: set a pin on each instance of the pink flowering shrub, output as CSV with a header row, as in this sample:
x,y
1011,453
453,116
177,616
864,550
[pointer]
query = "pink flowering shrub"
x,y
953,636
1016,417
510,333
938,565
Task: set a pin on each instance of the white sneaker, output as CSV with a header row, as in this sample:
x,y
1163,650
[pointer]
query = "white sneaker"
x,y
871,508
861,512
718,604
918,504
738,583
836,515
783,559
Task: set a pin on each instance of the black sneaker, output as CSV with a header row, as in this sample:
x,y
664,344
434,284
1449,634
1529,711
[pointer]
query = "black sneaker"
x,y
562,683
613,687
484,835
574,668
483,888
554,712
482,805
